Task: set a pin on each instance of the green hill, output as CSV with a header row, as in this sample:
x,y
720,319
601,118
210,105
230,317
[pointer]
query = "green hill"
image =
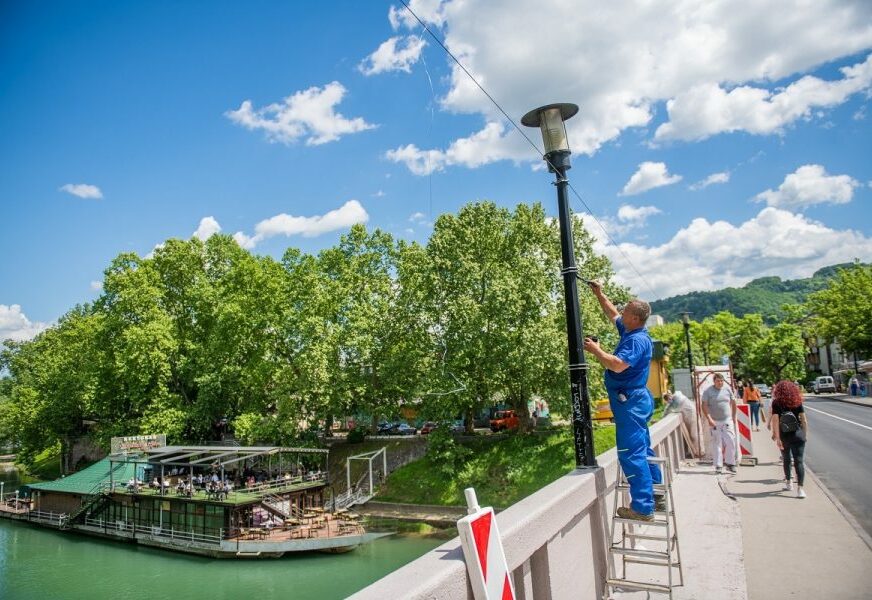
x,y
765,296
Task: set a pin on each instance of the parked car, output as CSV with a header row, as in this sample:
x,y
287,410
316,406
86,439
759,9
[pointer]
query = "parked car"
x,y
428,427
504,420
458,426
402,429
384,427
824,384
764,390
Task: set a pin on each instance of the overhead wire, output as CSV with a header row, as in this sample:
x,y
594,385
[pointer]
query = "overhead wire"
x,y
529,141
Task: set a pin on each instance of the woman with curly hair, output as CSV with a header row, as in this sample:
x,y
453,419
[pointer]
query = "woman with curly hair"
x,y
790,430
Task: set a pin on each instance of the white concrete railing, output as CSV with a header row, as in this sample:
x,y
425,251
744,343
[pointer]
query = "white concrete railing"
x,y
555,539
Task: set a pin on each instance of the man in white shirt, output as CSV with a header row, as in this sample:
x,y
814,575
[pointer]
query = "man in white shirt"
x,y
719,409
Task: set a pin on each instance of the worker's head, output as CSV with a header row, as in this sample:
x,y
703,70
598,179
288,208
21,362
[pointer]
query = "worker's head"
x,y
718,381
635,313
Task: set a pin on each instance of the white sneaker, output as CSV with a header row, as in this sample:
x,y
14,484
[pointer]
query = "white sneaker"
x,y
800,493
788,485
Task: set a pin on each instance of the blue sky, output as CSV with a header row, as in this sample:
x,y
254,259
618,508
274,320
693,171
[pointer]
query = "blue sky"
x,y
715,144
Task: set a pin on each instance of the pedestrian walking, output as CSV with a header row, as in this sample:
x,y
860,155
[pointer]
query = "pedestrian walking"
x,y
719,409
626,377
855,385
751,396
790,432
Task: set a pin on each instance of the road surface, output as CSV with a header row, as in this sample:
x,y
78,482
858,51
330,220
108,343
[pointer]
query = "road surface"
x,y
839,451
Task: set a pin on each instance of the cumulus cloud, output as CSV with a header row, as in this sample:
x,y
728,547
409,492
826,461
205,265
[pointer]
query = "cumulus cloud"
x,y
430,11
308,113
708,109
623,59
96,286
207,228
395,54
494,142
722,177
418,217
14,324
649,175
707,255
82,190
810,185
350,213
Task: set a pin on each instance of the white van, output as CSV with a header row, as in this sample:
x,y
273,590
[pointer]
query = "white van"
x,y
824,384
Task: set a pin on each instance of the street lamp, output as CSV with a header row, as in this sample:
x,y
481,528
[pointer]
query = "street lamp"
x,y
685,318
550,119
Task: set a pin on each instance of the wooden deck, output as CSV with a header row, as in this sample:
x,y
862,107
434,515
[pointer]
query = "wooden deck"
x,y
322,526
236,497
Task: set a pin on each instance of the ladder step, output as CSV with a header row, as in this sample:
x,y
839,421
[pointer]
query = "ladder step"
x,y
637,553
639,585
658,459
660,562
658,487
648,536
654,523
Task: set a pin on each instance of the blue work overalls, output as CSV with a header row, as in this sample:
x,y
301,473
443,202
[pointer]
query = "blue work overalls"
x,y
632,406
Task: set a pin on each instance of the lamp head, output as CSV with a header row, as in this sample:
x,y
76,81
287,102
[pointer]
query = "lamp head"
x,y
551,120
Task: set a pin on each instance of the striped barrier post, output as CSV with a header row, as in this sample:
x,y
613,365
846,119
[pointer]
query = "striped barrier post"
x,y
743,416
483,551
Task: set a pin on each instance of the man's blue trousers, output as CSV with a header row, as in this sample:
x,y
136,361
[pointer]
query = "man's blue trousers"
x,y
634,445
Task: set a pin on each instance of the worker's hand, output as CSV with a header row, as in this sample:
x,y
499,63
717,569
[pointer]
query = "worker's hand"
x,y
591,345
596,286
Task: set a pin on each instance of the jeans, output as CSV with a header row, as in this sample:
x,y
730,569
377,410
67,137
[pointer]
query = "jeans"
x,y
794,448
755,413
634,445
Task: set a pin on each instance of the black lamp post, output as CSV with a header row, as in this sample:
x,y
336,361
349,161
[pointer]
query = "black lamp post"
x,y
550,119
685,318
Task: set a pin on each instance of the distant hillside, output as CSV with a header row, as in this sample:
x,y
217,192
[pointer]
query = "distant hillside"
x,y
765,296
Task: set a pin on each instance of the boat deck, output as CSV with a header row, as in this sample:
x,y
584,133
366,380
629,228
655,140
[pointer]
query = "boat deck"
x,y
235,497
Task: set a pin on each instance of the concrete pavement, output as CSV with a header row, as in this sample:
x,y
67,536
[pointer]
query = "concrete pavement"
x,y
766,544
860,400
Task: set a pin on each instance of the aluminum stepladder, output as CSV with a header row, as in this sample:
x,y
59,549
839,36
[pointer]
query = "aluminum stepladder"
x,y
662,532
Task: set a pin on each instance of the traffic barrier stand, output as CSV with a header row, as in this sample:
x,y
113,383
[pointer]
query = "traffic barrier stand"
x,y
483,551
743,416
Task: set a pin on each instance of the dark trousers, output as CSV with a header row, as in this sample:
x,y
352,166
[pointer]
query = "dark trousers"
x,y
794,449
755,413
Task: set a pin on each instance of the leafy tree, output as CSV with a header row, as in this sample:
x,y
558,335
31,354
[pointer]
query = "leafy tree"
x,y
843,310
778,354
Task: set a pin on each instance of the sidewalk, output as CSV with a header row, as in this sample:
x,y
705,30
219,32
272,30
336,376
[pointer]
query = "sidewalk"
x,y
764,543
796,548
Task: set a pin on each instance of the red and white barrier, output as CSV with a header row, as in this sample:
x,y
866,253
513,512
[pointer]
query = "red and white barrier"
x,y
746,447
483,550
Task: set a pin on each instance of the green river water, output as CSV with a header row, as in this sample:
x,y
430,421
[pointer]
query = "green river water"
x,y
43,564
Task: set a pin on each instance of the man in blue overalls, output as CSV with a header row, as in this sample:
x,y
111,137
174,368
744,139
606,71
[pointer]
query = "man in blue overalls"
x,y
632,404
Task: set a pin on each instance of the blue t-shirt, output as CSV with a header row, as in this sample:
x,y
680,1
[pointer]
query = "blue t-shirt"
x,y
635,349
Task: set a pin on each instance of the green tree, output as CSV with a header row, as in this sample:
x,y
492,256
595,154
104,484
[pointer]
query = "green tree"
x,y
843,311
778,354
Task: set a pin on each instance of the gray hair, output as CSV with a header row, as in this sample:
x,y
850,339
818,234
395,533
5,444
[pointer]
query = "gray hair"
x,y
640,308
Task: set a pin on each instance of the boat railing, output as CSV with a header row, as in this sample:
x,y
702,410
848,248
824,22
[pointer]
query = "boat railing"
x,y
53,518
156,531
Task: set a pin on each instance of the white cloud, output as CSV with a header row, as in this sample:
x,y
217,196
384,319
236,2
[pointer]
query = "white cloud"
x,y
810,185
620,60
650,175
350,213
417,217
309,113
712,255
15,325
722,177
82,190
207,228
707,109
96,286
395,54
430,11
636,214
494,142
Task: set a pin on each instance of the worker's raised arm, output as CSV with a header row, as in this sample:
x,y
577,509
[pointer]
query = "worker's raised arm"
x,y
609,309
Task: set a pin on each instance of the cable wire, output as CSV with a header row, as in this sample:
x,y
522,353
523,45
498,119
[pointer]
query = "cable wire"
x,y
529,141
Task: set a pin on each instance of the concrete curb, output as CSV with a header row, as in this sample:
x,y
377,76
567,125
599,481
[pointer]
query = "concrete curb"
x,y
861,533
846,399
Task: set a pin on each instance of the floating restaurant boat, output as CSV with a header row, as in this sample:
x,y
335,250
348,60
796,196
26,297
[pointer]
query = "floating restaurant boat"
x,y
219,501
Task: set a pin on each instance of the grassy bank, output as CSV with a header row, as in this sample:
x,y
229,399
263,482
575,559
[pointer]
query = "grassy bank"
x,y
502,472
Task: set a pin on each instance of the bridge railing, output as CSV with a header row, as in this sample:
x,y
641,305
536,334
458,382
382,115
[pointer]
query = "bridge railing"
x,y
555,540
